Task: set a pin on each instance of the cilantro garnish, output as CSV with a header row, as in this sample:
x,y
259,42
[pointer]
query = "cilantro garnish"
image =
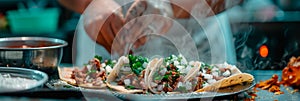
x,y
136,63
98,57
130,87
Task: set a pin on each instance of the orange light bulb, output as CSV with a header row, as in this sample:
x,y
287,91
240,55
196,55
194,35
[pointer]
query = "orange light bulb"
x,y
263,51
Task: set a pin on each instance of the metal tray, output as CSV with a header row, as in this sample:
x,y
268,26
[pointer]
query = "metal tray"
x,y
41,77
222,92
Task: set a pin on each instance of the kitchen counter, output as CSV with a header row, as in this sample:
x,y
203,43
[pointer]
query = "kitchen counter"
x,y
45,94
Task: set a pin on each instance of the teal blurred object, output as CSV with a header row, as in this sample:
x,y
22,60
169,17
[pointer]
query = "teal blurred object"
x,y
34,21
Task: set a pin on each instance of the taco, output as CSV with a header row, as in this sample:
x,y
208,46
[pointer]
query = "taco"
x,y
92,75
128,75
168,73
213,77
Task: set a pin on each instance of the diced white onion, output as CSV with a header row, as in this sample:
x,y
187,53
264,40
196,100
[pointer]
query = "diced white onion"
x,y
127,82
207,76
108,69
188,85
179,84
103,65
215,69
176,63
89,67
215,73
181,69
226,73
210,81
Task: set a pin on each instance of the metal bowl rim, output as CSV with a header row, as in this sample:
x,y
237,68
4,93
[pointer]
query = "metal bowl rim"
x,y
35,72
54,40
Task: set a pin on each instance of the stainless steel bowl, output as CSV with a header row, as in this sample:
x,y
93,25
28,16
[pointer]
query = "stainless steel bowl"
x,y
38,53
38,76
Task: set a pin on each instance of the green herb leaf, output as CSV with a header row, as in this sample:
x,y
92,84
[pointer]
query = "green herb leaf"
x,y
98,57
136,63
67,86
130,87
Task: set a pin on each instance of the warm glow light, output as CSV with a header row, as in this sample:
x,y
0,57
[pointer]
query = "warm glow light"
x,y
263,51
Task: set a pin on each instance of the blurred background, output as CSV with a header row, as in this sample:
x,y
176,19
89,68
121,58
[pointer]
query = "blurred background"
x,y
41,18
265,33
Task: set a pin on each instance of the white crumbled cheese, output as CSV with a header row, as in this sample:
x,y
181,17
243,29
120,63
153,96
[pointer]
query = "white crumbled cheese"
x,y
226,73
127,82
188,85
108,69
125,60
207,76
191,63
215,73
176,63
103,64
210,81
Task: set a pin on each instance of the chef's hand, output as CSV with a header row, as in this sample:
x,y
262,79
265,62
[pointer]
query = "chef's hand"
x,y
142,19
102,21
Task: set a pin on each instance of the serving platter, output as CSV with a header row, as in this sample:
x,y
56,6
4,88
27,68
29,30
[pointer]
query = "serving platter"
x,y
62,85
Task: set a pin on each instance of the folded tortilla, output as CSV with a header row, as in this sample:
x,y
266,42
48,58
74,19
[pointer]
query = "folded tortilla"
x,y
229,81
65,75
115,73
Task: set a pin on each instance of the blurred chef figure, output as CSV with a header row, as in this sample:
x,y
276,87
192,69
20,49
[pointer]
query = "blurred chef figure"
x,y
103,20
153,27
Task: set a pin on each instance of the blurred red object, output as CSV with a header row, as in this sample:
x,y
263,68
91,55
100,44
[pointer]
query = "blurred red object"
x,y
3,21
291,73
